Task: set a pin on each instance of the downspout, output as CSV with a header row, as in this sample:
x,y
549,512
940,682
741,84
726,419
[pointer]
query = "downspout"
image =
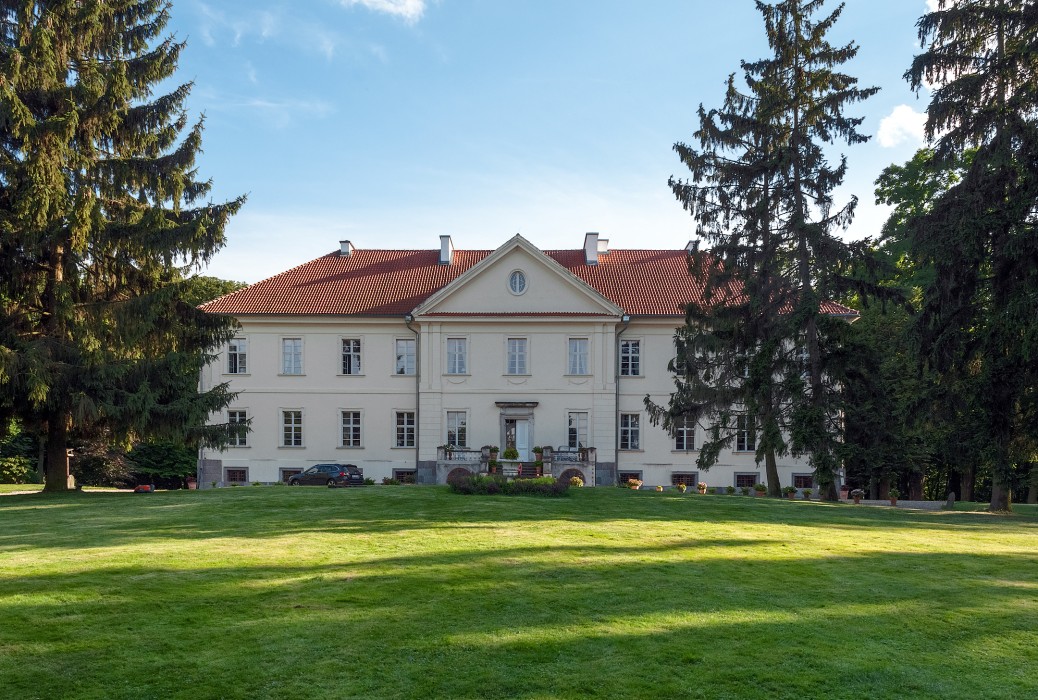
x,y
626,321
408,321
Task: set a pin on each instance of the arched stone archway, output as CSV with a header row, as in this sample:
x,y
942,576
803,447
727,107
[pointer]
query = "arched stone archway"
x,y
570,473
457,473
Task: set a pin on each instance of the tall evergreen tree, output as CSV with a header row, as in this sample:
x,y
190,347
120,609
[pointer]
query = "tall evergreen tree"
x,y
980,235
761,193
101,214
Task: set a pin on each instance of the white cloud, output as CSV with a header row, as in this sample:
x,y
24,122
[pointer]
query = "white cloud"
x,y
409,10
275,25
903,124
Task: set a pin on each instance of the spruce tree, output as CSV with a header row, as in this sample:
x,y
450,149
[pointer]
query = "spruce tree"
x,y
978,314
761,193
101,215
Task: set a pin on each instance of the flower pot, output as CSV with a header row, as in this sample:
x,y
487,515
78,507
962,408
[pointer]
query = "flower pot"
x,y
759,493
703,491
192,483
893,501
792,496
857,500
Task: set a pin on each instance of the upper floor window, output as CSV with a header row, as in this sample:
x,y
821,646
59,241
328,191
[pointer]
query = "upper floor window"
x,y
577,429
457,355
405,356
680,356
630,358
457,428
517,356
291,356
745,434
577,362
237,356
240,436
684,434
351,356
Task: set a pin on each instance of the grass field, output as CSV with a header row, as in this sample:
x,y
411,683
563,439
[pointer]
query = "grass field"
x,y
415,592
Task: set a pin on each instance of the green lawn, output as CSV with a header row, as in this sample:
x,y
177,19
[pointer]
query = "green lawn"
x,y
415,592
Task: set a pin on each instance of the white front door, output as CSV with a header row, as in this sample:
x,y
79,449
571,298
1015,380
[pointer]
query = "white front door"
x,y
517,435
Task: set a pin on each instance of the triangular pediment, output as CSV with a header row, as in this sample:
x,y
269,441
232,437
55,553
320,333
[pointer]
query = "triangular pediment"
x,y
488,288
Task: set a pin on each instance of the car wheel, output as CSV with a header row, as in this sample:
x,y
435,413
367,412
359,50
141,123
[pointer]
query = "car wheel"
x,y
293,482
331,482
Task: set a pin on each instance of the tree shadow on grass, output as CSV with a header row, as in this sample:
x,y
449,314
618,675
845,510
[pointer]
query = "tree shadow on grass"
x,y
529,621
107,519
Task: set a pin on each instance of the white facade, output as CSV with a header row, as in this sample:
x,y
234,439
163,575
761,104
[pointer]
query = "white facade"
x,y
516,349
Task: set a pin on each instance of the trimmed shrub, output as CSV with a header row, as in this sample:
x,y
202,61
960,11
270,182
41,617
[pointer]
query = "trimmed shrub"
x,y
492,484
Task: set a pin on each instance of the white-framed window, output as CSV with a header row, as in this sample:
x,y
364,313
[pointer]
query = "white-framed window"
x,y
578,361
517,282
630,431
406,354
404,429
745,434
517,353
630,358
351,428
292,427
238,416
237,356
684,434
457,355
291,356
351,356
576,430
457,428
680,355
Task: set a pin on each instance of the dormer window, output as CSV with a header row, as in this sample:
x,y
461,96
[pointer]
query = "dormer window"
x,y
517,282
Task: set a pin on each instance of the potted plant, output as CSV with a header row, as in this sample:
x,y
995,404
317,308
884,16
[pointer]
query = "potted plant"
x,y
745,490
448,450
894,494
857,495
538,450
682,488
701,486
806,494
510,454
659,488
730,490
492,466
192,482
790,491
634,484
759,489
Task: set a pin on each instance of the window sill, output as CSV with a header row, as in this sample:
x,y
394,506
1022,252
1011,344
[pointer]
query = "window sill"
x,y
291,447
571,374
235,374
350,447
301,374
632,376
412,375
402,447
634,449
238,447
456,374
349,375
684,452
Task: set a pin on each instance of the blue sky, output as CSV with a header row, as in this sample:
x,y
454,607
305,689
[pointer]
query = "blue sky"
x,y
391,122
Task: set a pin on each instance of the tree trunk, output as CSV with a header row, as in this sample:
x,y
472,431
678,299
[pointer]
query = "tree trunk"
x,y
57,475
771,468
1001,497
955,484
915,486
1032,490
969,480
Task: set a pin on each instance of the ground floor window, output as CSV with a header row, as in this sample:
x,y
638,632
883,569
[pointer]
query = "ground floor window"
x,y
624,477
404,429
803,481
747,479
236,475
287,473
630,431
686,478
404,476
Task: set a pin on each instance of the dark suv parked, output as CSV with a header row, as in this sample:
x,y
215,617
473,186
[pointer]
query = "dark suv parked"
x,y
330,475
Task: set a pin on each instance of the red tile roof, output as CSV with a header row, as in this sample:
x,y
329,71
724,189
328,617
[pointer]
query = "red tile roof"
x,y
394,282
